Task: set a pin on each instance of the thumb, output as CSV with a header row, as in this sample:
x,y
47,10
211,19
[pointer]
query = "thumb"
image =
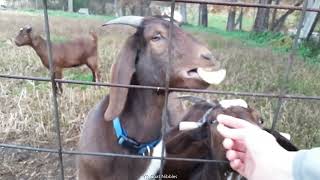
x,y
235,134
233,122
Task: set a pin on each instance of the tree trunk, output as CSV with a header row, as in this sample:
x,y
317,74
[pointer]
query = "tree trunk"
x,y
231,18
70,5
64,5
313,26
146,8
239,20
199,15
262,18
309,19
116,8
203,15
183,11
278,24
141,8
274,14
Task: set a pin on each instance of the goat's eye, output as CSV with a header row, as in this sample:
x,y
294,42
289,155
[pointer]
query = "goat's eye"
x,y
261,121
156,37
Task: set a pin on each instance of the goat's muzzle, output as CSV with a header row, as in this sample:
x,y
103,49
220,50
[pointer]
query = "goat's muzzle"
x,y
17,42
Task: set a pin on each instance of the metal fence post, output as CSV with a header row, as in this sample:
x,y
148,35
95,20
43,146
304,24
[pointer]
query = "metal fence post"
x,y
53,87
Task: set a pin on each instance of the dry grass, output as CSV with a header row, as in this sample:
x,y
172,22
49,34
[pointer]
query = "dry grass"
x,y
26,116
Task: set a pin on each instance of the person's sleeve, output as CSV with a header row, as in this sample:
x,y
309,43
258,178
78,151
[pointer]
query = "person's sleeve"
x,y
306,165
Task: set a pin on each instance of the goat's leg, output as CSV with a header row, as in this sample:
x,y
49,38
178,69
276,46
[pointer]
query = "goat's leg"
x,y
58,75
92,63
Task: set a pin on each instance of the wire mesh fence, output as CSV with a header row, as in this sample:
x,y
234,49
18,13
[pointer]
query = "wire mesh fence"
x,y
281,96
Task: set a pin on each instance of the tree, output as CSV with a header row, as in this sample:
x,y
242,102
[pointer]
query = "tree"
x,y
261,22
313,27
233,22
77,4
231,17
239,20
70,5
116,8
309,19
134,7
274,13
277,24
183,11
203,15
64,5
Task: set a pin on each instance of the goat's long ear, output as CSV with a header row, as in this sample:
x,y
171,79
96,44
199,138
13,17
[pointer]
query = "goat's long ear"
x,y
284,142
121,73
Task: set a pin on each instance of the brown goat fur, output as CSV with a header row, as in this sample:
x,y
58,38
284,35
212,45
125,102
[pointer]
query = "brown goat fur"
x,y
142,61
206,143
70,54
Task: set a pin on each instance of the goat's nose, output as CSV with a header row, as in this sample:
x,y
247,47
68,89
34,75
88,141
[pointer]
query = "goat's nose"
x,y
207,56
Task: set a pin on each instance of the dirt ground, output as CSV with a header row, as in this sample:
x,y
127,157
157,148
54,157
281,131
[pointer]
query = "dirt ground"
x,y
25,165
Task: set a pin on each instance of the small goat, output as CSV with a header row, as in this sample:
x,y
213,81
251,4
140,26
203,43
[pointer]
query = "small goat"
x,y
205,142
65,55
142,61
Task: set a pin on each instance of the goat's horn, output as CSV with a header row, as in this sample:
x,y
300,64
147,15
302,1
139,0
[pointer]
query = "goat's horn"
x,y
134,21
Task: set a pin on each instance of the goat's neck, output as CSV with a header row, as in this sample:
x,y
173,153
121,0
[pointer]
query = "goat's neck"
x,y
39,45
142,114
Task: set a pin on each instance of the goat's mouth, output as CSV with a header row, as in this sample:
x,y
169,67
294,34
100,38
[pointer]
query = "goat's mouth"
x,y
17,42
209,75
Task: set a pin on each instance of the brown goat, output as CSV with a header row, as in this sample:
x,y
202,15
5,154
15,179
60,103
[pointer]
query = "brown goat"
x,y
64,55
206,143
142,61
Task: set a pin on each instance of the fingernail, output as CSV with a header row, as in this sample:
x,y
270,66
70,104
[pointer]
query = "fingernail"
x,y
220,117
220,128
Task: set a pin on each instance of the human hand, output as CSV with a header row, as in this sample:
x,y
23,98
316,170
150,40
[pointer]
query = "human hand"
x,y
253,152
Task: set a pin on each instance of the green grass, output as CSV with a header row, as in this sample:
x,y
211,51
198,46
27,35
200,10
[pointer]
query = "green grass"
x,y
219,21
310,51
280,43
79,76
247,38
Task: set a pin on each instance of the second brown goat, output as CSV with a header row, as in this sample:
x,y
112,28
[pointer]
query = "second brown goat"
x,y
64,55
204,142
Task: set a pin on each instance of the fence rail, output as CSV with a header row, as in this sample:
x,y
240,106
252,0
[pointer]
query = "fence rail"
x,y
282,96
55,151
242,4
200,91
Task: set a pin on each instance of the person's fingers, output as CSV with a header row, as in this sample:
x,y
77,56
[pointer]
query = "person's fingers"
x,y
233,155
239,146
232,122
235,134
227,143
238,166
234,145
